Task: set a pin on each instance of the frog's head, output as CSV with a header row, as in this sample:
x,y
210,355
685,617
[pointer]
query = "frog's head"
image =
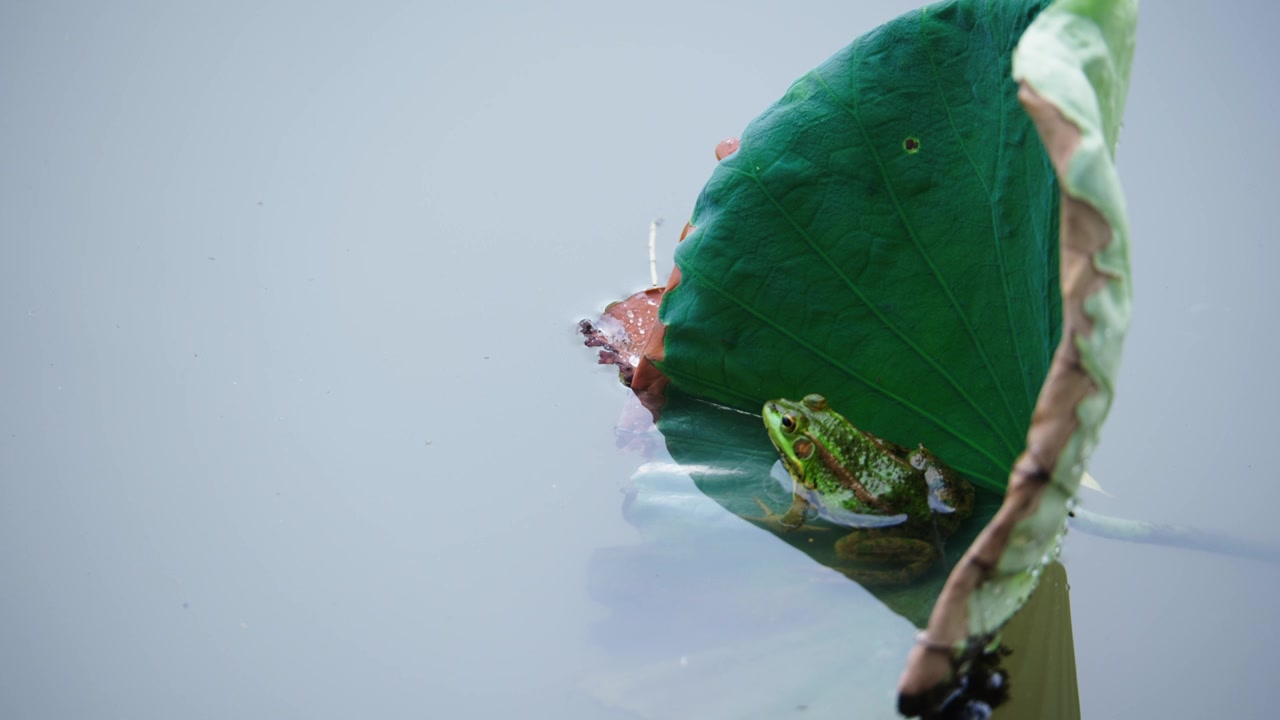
x,y
787,422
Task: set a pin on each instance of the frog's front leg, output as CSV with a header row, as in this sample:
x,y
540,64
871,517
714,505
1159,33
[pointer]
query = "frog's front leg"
x,y
877,559
793,519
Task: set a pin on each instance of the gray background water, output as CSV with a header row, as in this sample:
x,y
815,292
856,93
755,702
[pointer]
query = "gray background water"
x,y
292,420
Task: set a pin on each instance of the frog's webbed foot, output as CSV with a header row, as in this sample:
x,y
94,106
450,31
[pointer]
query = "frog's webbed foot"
x,y
886,560
793,519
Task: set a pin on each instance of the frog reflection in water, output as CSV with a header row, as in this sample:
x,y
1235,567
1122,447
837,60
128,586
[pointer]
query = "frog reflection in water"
x,y
902,503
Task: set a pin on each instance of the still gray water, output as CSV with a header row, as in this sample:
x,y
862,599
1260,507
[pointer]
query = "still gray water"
x,y
294,422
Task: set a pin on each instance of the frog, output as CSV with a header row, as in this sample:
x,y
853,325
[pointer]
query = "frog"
x,y
900,503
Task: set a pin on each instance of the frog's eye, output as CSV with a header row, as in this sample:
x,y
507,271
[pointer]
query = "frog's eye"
x,y
803,448
789,422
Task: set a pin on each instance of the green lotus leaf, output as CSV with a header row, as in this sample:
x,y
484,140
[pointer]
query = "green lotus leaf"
x,y
886,235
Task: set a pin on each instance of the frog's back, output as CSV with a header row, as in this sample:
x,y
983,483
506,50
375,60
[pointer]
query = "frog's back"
x,y
868,474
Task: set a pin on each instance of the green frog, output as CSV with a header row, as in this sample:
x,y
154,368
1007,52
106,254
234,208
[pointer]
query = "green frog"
x,y
902,503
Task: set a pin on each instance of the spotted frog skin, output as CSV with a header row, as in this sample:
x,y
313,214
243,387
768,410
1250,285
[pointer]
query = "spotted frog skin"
x,y
901,503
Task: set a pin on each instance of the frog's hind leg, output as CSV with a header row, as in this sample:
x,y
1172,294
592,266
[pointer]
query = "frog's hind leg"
x,y
886,560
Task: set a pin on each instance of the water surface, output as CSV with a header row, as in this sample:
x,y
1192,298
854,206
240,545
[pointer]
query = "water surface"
x,y
294,422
